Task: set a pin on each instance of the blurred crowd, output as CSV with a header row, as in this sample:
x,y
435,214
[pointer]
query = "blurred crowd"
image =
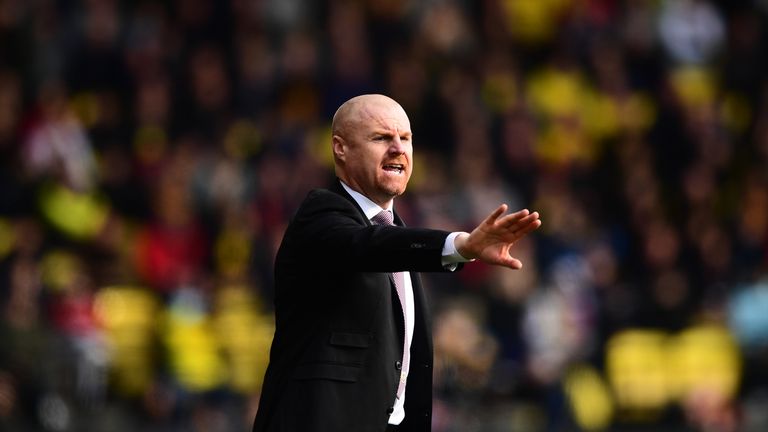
x,y
153,152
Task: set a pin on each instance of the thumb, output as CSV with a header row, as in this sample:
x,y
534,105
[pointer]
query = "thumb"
x,y
506,261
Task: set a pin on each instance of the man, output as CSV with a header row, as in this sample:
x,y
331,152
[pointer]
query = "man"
x,y
352,350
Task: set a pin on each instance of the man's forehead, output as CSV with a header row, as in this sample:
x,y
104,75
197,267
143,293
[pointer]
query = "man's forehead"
x,y
384,116
370,111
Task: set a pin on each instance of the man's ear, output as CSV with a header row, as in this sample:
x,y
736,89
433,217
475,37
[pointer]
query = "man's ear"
x,y
339,148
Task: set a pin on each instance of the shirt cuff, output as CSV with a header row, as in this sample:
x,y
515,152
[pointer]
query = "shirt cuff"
x,y
452,257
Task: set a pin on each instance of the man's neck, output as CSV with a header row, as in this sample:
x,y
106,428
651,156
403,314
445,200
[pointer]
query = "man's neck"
x,y
369,207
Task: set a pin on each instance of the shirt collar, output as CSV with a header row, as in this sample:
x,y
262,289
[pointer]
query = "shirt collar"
x,y
370,208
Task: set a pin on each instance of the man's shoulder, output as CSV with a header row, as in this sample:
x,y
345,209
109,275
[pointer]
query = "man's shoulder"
x,y
322,192
322,200
322,196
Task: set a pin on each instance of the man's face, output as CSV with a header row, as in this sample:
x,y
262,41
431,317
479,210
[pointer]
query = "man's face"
x,y
376,150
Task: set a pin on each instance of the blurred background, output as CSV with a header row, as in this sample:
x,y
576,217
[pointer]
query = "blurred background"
x,y
153,152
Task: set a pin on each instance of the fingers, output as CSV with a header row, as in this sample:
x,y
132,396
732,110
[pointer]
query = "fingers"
x,y
530,226
519,221
531,219
514,225
513,218
491,219
498,233
527,219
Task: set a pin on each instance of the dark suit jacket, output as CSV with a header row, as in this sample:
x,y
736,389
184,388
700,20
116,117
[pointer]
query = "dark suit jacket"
x,y
334,363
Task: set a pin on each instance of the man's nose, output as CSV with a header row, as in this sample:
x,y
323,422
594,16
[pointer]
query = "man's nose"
x,y
396,146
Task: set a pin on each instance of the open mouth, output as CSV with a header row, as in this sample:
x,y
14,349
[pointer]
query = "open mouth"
x,y
395,168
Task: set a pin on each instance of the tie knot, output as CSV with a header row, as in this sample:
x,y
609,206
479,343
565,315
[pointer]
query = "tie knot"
x,y
384,217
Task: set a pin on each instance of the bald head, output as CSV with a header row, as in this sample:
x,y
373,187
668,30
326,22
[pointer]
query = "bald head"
x,y
357,109
372,146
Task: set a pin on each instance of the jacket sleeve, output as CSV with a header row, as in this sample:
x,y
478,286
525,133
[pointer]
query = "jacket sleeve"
x,y
329,232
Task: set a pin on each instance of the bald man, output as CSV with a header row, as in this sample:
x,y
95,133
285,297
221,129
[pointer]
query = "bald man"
x,y
352,350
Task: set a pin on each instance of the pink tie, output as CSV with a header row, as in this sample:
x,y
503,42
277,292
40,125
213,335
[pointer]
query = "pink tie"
x,y
385,217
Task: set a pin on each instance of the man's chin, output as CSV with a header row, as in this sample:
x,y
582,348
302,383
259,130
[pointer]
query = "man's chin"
x,y
394,186
386,195
394,192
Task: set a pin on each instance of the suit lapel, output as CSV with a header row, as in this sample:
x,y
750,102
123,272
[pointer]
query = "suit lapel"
x,y
418,294
339,189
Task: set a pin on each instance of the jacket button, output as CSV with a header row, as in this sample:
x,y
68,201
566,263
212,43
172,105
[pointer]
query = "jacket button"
x,y
390,410
398,365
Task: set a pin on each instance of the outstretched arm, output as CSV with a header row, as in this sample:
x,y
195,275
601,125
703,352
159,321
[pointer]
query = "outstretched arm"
x,y
490,242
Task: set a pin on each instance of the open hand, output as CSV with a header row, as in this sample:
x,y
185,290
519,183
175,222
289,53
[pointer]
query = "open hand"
x,y
490,242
